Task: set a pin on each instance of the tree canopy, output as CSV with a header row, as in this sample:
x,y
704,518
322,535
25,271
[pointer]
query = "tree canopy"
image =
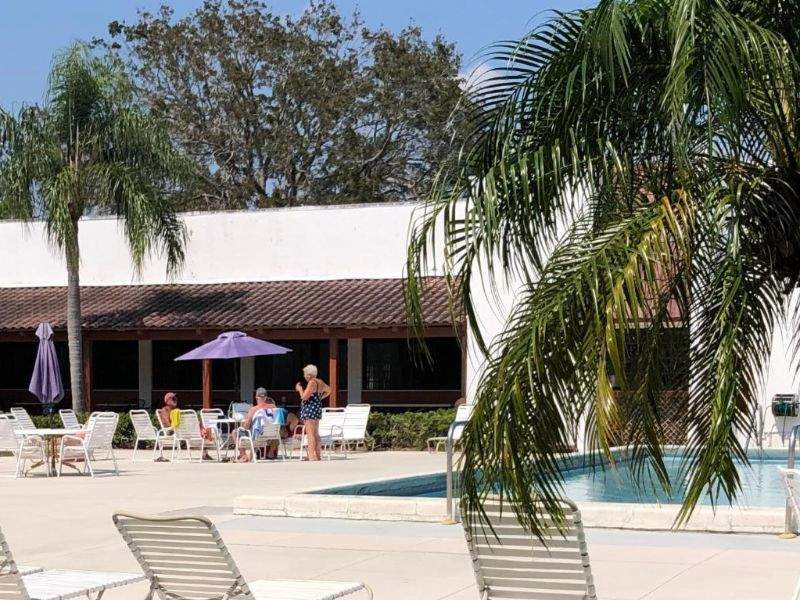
x,y
88,150
635,166
279,111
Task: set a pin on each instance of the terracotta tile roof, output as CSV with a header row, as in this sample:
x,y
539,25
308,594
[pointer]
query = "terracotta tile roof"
x,y
351,303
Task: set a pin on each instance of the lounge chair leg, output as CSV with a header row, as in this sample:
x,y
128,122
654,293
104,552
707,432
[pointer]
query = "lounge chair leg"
x,y
135,448
114,458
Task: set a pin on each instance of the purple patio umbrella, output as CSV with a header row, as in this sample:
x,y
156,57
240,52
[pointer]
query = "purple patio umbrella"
x,y
46,379
233,344
230,344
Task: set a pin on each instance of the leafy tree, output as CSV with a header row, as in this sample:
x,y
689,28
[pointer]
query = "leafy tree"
x,y
91,150
279,111
632,164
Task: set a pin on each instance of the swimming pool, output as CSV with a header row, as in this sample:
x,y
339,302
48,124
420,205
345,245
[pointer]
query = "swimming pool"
x,y
761,483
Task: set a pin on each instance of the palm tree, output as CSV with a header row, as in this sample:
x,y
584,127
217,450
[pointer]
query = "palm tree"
x,y
633,165
91,150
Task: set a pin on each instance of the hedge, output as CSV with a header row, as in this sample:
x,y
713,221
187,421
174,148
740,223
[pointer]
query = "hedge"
x,y
408,430
391,431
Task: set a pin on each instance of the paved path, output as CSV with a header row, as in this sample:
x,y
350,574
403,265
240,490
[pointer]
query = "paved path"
x,y
65,523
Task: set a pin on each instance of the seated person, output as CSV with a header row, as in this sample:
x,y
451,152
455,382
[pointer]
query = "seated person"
x,y
267,405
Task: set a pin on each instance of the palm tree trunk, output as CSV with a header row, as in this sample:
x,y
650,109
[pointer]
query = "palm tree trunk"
x,y
74,333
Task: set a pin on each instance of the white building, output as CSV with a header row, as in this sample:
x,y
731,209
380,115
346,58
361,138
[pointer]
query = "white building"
x,y
326,281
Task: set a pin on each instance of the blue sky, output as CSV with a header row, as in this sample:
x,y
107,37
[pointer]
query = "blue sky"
x,y
30,32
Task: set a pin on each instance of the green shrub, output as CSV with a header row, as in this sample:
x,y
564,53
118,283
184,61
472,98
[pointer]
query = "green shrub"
x,y
391,431
408,430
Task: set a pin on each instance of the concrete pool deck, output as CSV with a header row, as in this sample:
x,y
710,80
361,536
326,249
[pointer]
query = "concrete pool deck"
x,y
66,523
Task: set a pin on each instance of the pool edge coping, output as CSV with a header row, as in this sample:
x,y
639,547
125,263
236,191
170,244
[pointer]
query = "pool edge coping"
x,y
605,515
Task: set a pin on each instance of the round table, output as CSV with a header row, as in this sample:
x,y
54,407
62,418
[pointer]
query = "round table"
x,y
51,435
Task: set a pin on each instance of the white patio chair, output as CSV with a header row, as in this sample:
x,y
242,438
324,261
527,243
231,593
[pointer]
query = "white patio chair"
x,y
23,419
331,431
188,435
463,415
239,410
267,434
510,562
296,442
99,438
22,447
69,419
146,432
185,557
356,417
20,583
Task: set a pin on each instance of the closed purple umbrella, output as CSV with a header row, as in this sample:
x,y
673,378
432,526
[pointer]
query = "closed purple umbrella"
x,y
46,379
233,344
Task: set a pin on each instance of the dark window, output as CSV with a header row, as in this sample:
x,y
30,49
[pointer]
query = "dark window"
x,y
282,371
225,374
399,365
171,375
17,360
115,365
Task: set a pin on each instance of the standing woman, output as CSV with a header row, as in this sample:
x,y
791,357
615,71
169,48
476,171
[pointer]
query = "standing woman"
x,y
311,408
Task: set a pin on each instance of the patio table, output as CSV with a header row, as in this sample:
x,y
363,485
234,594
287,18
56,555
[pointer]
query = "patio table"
x,y
227,436
51,436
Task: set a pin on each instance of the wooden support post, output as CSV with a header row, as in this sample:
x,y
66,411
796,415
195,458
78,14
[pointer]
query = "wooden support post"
x,y
87,375
333,369
207,383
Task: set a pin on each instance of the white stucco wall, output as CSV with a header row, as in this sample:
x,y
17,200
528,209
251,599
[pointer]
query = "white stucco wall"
x,y
337,242
340,242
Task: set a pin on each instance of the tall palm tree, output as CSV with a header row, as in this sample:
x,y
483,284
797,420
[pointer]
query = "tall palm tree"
x,y
90,149
634,165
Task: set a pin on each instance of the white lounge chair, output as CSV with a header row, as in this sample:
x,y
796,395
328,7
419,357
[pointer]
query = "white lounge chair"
x,y
356,417
20,583
296,442
69,419
147,432
510,562
463,415
22,447
23,419
188,435
791,483
99,437
185,557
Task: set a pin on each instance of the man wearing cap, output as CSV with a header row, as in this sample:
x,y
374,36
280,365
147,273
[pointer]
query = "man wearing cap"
x,y
263,402
168,417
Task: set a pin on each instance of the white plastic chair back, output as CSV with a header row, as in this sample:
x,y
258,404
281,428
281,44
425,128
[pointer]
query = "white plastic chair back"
x,y
183,557
189,427
69,419
210,416
93,417
239,409
24,420
8,437
143,425
101,434
463,415
332,422
511,562
356,417
11,586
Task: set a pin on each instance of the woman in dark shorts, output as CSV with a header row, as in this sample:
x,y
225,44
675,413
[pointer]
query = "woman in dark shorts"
x,y
311,408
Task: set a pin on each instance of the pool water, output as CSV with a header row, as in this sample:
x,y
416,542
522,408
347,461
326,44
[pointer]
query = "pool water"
x,y
761,485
